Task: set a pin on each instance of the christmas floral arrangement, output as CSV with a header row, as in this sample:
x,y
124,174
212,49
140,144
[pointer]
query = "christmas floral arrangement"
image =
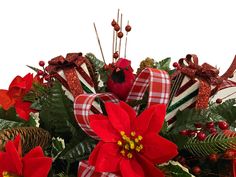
x,y
79,116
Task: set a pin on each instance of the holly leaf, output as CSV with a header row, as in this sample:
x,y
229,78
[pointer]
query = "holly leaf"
x,y
175,169
164,64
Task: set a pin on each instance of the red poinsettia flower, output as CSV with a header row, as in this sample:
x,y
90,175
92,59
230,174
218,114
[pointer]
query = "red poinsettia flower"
x,y
33,164
20,86
15,93
130,145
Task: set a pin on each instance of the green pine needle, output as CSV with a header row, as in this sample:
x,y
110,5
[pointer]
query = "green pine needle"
x,y
212,144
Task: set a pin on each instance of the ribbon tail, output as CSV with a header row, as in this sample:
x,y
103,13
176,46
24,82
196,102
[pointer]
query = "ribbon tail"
x,y
204,94
230,70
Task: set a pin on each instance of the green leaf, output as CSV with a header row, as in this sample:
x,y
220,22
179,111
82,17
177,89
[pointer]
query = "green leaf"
x,y
226,110
57,114
174,170
164,64
212,144
4,124
96,63
76,151
33,68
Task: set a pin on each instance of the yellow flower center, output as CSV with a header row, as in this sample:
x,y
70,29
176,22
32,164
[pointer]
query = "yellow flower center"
x,y
7,174
130,144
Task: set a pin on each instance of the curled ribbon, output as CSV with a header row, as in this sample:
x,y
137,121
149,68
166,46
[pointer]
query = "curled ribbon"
x,y
70,66
206,74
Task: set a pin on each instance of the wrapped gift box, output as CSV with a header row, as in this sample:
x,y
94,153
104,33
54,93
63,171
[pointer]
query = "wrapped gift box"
x,y
185,87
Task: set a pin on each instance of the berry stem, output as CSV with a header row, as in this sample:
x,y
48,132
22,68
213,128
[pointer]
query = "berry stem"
x,y
117,21
121,31
126,38
99,43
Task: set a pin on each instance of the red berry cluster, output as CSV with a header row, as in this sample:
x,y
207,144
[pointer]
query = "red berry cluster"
x,y
202,130
43,72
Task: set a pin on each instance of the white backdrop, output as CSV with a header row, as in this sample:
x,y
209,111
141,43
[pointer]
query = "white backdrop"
x,y
40,30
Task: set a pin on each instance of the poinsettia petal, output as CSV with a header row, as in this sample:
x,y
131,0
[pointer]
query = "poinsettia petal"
x,y
157,120
97,117
118,117
104,130
23,109
14,160
108,159
149,169
158,149
151,119
28,78
94,154
36,167
5,100
131,168
36,152
17,82
129,110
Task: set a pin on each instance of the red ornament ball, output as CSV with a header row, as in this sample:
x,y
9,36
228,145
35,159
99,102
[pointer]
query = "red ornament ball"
x,y
47,77
201,136
116,55
198,125
128,28
120,34
210,125
175,64
113,23
223,125
218,100
196,170
213,157
116,27
41,63
40,72
212,130
184,132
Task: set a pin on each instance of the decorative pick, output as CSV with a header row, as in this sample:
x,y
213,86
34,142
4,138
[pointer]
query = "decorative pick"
x,y
99,43
127,29
120,34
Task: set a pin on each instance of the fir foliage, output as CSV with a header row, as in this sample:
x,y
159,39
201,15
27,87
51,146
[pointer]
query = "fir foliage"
x,y
214,143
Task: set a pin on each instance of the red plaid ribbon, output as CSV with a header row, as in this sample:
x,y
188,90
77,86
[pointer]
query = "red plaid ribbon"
x,y
85,170
82,109
157,81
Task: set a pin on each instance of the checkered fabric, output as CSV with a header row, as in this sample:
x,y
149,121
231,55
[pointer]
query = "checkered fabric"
x,y
157,81
82,109
85,170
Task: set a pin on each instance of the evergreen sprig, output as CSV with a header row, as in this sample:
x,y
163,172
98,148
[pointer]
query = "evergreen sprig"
x,y
212,144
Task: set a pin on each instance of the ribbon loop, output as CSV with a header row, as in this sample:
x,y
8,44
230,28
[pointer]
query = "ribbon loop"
x,y
157,81
84,106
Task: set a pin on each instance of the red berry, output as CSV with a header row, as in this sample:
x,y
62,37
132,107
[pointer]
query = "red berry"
x,y
120,34
115,55
192,133
210,125
213,157
223,125
184,132
201,136
113,23
47,77
229,154
128,28
218,100
116,27
212,130
175,64
40,72
41,63
196,170
198,125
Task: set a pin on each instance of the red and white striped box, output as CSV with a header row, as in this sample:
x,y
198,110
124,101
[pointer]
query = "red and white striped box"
x,y
86,170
